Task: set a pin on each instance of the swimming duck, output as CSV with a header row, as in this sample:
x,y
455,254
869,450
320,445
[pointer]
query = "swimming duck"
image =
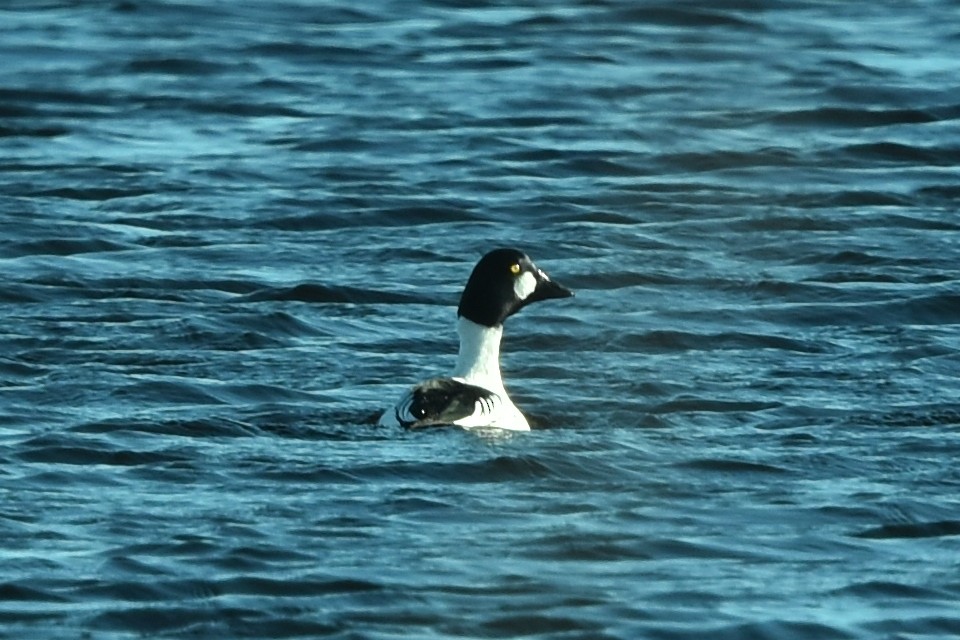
x,y
503,282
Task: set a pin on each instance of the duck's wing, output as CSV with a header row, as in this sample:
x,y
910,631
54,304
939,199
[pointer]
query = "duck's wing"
x,y
447,401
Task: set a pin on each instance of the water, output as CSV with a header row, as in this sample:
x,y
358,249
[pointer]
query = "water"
x,y
232,232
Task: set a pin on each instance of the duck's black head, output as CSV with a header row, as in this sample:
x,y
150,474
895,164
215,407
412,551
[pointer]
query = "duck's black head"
x,y
502,283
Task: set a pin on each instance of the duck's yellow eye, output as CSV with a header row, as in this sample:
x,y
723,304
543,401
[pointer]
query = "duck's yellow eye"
x,y
515,268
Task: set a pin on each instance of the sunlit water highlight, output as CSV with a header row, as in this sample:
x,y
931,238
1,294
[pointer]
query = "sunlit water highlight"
x,y
233,232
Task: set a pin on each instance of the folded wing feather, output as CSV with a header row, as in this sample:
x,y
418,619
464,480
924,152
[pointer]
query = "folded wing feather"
x,y
446,401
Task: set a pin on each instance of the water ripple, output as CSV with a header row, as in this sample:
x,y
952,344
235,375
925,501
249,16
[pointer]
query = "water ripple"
x,y
232,233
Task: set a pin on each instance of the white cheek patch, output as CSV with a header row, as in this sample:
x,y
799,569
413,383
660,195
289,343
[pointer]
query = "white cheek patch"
x,y
524,285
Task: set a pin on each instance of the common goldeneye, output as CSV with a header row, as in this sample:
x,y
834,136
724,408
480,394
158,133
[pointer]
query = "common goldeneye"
x,y
502,283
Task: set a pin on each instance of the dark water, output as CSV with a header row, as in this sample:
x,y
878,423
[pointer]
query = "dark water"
x,y
232,231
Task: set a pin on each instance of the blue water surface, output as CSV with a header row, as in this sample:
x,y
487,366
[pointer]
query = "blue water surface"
x,y
231,233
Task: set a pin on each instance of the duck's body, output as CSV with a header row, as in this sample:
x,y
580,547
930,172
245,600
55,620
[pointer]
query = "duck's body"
x,y
502,283
472,397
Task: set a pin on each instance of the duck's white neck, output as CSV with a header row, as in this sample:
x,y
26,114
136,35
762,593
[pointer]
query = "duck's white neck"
x,y
479,359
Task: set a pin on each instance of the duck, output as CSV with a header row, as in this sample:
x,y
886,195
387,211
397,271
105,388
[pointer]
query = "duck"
x,y
503,282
